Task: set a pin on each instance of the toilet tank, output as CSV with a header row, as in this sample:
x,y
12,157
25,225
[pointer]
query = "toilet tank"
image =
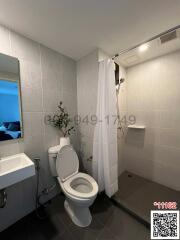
x,y
53,152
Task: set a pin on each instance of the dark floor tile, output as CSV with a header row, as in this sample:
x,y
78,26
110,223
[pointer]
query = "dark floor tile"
x,y
16,232
87,233
102,209
106,235
57,206
108,222
15,235
143,234
49,228
36,235
125,227
133,188
65,236
32,228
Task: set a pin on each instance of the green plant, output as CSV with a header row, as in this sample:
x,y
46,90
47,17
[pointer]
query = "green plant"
x,y
62,121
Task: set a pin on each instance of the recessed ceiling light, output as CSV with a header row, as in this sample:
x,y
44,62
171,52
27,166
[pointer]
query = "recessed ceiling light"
x,y
143,47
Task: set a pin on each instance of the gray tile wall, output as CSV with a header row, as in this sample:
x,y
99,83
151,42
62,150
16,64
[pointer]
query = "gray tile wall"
x,y
46,78
87,83
153,96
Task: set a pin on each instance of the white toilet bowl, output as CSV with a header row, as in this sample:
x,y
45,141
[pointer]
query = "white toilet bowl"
x,y
79,188
80,191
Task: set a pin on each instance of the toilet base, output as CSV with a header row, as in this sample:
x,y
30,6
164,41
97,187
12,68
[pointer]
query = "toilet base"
x,y
79,215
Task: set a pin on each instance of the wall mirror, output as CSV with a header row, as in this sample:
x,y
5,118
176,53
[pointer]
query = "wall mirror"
x,y
10,99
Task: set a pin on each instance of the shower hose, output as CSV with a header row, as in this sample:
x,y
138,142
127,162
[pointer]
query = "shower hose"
x,y
40,208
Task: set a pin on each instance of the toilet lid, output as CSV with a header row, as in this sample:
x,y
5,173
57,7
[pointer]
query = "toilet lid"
x,y
67,163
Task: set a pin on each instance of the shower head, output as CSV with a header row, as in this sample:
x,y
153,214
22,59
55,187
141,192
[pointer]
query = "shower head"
x,y
121,80
119,83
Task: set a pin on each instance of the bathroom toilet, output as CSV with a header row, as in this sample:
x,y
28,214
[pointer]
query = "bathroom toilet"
x,y
79,188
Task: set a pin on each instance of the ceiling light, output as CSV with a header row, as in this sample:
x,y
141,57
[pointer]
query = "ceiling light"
x,y
143,47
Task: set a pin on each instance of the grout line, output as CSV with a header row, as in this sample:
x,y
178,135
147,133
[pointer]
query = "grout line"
x,y
43,111
10,43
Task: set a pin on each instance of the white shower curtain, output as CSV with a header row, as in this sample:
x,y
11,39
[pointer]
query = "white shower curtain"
x,y
105,159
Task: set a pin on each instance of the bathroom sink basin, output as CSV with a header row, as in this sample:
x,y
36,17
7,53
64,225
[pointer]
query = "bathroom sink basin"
x,y
14,169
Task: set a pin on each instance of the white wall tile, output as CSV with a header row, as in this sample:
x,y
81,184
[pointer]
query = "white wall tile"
x,y
33,123
50,99
51,64
33,146
42,88
24,48
169,137
69,75
31,99
30,74
87,82
5,46
153,97
9,148
50,59
51,136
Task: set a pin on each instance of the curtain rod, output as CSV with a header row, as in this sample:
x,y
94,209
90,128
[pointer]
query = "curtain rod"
x,y
151,39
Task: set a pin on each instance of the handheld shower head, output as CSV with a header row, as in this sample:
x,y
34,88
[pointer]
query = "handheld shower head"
x,y
117,80
122,80
119,83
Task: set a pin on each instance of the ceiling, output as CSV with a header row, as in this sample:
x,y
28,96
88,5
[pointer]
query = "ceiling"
x,y
76,27
154,49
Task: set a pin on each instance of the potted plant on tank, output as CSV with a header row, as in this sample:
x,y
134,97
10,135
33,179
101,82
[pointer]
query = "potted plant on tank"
x,y
63,122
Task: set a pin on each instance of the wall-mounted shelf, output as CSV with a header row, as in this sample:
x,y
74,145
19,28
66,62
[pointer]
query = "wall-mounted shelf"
x,y
141,127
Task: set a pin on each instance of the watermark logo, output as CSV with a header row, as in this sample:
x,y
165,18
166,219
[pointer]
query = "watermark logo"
x,y
165,223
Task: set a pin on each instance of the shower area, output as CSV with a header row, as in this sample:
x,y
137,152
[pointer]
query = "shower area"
x,y
148,131
147,79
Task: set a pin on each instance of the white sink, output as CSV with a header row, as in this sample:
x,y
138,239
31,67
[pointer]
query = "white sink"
x,y
14,169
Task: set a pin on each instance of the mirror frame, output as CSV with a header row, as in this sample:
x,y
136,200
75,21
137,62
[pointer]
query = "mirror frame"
x,y
20,99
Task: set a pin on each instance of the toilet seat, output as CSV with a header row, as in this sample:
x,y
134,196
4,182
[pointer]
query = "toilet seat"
x,y
81,185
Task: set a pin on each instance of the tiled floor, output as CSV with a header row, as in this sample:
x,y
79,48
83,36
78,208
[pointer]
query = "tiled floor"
x,y
137,194
109,223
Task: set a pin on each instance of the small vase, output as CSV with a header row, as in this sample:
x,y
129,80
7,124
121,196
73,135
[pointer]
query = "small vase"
x,y
64,141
